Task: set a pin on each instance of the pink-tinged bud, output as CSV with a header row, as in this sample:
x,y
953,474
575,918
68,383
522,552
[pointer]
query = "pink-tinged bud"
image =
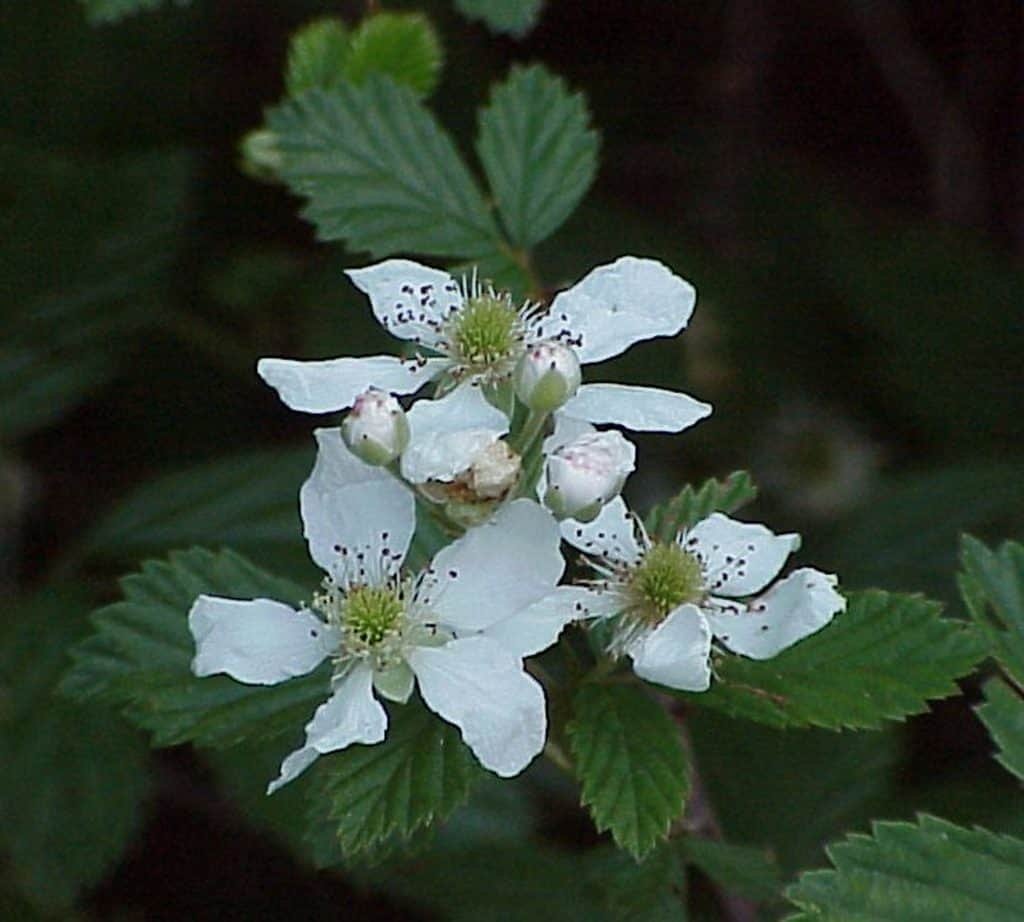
x,y
547,375
376,429
586,473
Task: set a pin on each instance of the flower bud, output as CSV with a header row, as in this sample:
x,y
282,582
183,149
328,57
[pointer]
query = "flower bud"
x,y
547,375
586,473
376,429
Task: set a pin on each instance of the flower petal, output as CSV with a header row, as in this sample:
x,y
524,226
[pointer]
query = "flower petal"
x,y
349,507
619,304
350,715
677,652
446,435
612,534
497,569
738,558
537,626
795,607
484,690
333,384
260,642
642,409
410,301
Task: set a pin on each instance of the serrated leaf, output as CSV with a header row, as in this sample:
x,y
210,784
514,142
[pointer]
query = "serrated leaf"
x,y
930,872
380,173
538,151
139,657
419,774
316,55
402,46
881,659
690,506
630,763
113,10
72,778
1003,714
516,17
992,586
748,872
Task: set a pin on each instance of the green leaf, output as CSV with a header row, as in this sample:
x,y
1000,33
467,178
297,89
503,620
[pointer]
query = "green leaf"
x,y
653,890
516,17
882,658
418,775
1003,714
402,46
316,55
113,10
72,778
690,506
748,872
538,151
992,586
630,763
139,657
380,173
929,872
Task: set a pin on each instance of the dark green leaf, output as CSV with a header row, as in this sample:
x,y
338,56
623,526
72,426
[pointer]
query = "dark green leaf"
x,y
992,585
1003,714
653,890
113,10
516,17
690,506
748,872
316,55
402,46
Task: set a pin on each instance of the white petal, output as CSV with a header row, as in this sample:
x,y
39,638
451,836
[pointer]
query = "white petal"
x,y
619,304
484,690
259,642
410,301
537,626
350,715
497,569
738,558
677,652
802,603
642,409
349,507
334,384
612,534
567,429
446,435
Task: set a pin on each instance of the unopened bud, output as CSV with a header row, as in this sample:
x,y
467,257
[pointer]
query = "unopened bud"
x,y
376,429
547,375
586,473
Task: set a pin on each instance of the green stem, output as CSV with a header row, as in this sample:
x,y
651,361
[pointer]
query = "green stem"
x,y
523,440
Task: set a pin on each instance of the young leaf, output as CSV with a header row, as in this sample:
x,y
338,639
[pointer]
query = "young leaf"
x,y
992,585
403,46
316,55
538,151
929,872
139,657
419,774
380,172
113,10
689,506
882,658
630,763
1003,714
748,872
516,17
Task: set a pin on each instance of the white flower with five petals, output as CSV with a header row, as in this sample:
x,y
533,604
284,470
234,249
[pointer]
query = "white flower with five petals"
x,y
459,629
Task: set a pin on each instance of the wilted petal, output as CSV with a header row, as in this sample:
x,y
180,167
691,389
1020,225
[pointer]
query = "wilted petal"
x,y
677,652
642,409
738,558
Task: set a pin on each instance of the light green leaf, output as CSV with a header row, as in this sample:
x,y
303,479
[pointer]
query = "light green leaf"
x,y
516,17
1003,714
690,506
139,657
113,10
630,763
930,872
748,872
316,55
538,151
992,586
380,173
882,658
72,778
402,46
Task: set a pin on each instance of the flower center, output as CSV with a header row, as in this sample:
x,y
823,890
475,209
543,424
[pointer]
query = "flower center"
x,y
371,614
485,330
667,577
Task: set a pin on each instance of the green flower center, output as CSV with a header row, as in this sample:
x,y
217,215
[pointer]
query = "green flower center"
x,y
667,577
485,330
371,614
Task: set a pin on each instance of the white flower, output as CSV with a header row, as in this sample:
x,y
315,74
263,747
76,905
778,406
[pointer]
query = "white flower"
x,y
376,430
547,375
586,473
459,629
670,600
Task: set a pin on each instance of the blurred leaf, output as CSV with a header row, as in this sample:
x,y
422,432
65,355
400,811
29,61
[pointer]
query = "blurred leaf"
x,y
992,585
653,890
1003,714
72,779
930,872
516,17
316,55
538,151
139,657
380,172
630,763
882,658
748,872
690,506
113,10
402,46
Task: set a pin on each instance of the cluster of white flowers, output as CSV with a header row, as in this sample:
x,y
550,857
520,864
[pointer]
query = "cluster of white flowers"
x,y
506,453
